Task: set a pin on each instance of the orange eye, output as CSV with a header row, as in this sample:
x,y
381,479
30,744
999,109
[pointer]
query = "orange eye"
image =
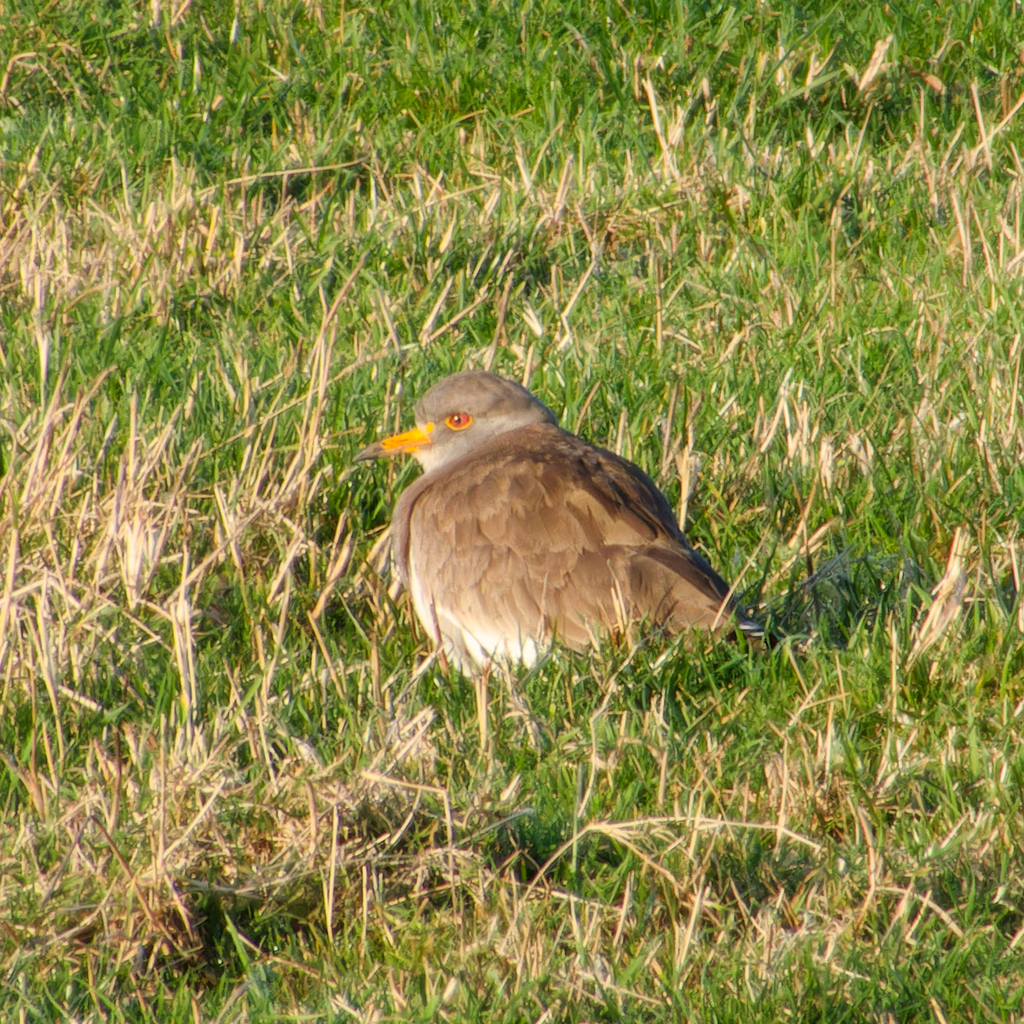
x,y
459,420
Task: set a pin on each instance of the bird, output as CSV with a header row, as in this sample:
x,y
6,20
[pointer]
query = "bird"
x,y
520,533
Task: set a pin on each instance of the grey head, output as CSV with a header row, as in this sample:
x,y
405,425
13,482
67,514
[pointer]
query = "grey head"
x,y
460,413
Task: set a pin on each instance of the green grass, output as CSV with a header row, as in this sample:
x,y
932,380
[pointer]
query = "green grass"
x,y
237,242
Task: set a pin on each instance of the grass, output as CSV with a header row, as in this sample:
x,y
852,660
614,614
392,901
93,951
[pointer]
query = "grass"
x,y
781,248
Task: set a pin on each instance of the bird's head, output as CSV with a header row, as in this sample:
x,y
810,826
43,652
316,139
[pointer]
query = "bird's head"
x,y
461,413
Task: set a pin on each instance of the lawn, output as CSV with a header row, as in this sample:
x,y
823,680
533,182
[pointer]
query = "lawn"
x,y
771,253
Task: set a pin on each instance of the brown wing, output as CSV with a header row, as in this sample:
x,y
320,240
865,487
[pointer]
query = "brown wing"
x,y
540,533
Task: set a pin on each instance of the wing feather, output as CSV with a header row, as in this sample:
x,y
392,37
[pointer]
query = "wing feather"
x,y
539,533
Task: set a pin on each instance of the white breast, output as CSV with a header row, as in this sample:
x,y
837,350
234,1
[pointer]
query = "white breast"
x,y
469,641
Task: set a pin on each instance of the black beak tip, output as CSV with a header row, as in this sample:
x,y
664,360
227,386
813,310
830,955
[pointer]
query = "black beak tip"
x,y
370,452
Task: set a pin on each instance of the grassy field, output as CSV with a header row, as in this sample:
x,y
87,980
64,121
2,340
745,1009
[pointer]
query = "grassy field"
x,y
775,248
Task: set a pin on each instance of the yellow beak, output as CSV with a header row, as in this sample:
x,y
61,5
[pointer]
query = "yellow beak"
x,y
397,444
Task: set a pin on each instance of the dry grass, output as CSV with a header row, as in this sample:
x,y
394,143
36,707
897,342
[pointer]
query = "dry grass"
x,y
230,759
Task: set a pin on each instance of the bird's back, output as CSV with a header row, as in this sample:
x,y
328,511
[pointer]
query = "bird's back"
x,y
538,534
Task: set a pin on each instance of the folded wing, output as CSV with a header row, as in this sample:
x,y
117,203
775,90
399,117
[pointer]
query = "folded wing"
x,y
548,536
